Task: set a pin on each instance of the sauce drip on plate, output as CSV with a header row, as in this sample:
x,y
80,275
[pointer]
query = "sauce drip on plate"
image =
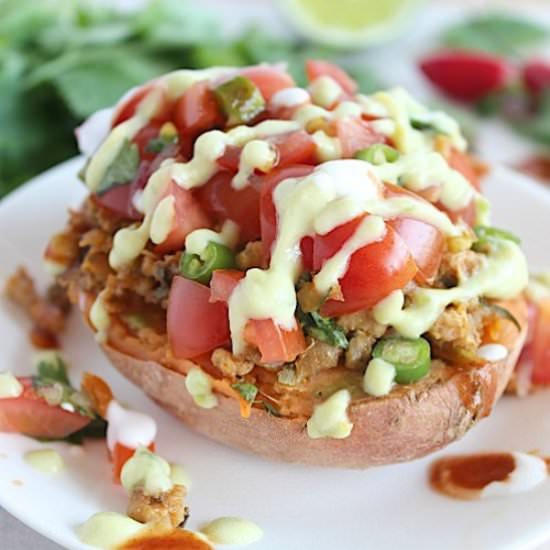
x,y
487,474
173,540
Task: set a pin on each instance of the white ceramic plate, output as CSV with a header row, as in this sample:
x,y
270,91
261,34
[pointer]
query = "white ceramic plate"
x,y
299,507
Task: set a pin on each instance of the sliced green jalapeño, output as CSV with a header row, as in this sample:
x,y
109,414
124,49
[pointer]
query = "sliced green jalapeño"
x,y
200,267
378,154
411,357
485,234
240,99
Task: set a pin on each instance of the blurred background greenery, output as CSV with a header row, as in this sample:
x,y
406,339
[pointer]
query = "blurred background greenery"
x,y
61,60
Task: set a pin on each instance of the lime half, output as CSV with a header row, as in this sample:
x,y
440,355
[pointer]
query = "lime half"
x,y
349,23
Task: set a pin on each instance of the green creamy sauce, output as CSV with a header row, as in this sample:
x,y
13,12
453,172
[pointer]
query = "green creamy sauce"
x,y
503,275
147,470
46,461
108,530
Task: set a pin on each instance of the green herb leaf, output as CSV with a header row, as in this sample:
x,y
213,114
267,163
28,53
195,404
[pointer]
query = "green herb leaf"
x,y
270,408
495,33
323,329
123,168
487,235
248,391
157,145
51,368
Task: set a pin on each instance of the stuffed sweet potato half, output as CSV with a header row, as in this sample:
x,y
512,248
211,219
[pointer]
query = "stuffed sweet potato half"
x,y
309,274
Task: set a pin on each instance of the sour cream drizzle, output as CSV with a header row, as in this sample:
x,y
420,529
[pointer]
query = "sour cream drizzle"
x,y
129,428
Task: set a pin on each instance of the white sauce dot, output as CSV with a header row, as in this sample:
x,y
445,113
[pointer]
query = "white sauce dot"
x,y
492,352
231,530
529,472
129,428
289,97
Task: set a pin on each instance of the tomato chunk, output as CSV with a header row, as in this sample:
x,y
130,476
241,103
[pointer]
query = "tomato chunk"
x,y
31,415
355,134
316,68
195,325
121,454
223,284
268,212
425,243
189,215
221,201
197,110
541,344
269,80
374,271
295,148
276,344
127,109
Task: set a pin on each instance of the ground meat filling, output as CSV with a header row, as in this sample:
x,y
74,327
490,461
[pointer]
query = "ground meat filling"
x,y
138,294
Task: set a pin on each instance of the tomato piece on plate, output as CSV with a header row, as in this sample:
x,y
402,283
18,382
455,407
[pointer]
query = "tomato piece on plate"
x,y
197,110
466,165
195,324
316,68
294,148
223,284
144,136
128,108
276,344
221,201
374,271
189,215
230,158
121,454
425,243
269,80
356,134
541,344
268,212
31,415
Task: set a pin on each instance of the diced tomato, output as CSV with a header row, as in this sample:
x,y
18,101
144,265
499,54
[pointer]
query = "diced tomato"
x,y
541,344
230,158
276,345
195,325
223,284
268,213
316,68
121,454
221,201
355,134
373,271
269,80
425,243
295,148
197,110
31,415
306,247
536,76
189,216
465,164
128,108
144,136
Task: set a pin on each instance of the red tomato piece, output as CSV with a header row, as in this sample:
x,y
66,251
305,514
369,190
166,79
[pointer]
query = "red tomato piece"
x,y
230,158
316,68
373,271
118,201
197,110
144,136
295,148
31,415
468,76
121,454
536,76
219,199
425,243
355,134
465,164
541,344
306,247
127,109
268,213
269,80
195,325
189,216
276,345
223,284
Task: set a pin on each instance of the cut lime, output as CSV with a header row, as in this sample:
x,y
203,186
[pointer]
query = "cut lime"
x,y
349,23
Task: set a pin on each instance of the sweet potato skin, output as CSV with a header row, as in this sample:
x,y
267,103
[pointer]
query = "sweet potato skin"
x,y
411,422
